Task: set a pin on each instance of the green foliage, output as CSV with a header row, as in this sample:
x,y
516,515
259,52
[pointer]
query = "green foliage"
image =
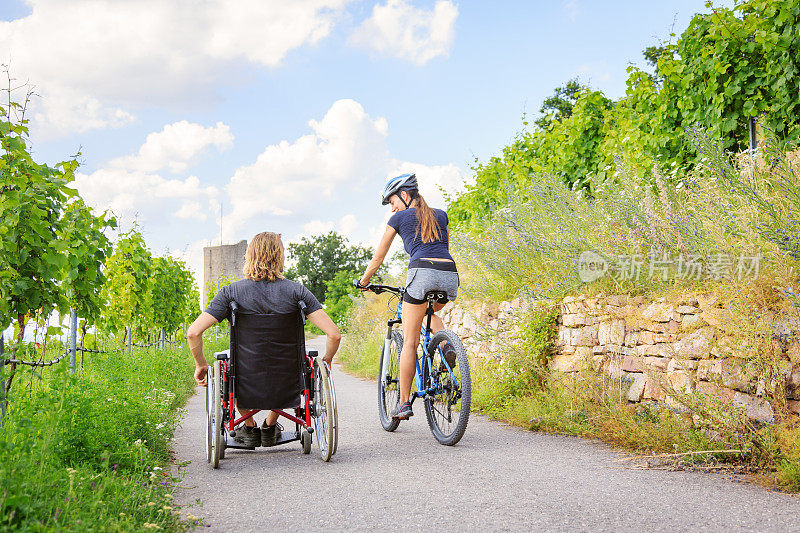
x,y
33,198
127,287
339,296
87,248
91,451
316,260
171,286
214,286
559,105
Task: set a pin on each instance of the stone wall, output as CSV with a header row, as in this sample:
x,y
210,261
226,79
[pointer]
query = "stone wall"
x,y
691,346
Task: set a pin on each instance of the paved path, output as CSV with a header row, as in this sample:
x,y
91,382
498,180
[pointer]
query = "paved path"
x,y
497,478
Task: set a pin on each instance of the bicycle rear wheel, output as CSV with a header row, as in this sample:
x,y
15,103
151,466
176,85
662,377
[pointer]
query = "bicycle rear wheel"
x,y
447,406
389,380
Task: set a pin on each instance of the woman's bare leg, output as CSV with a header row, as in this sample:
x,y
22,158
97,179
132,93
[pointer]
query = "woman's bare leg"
x,y
412,321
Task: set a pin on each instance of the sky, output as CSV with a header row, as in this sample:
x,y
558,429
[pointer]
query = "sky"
x,y
208,122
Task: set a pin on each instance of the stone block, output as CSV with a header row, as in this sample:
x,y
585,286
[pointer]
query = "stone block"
x,y
657,363
705,369
658,312
652,387
632,363
599,349
572,320
696,345
688,309
636,300
646,337
755,408
676,364
572,362
793,406
665,337
632,338
586,336
692,322
738,374
656,350
681,381
612,332
636,390
565,335
567,349
614,367
714,390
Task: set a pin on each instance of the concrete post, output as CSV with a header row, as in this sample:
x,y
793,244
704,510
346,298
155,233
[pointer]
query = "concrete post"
x,y
73,336
2,382
129,331
161,340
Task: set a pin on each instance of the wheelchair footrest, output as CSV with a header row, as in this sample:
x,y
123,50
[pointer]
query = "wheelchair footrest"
x,y
287,436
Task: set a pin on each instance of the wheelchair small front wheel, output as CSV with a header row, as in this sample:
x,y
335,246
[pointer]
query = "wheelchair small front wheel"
x,y
305,440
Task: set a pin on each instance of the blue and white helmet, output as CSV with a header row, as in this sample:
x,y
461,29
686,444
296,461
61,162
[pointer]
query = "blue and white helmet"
x,y
395,185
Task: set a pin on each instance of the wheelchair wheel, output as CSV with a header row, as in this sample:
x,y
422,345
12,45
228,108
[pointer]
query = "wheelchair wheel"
x,y
389,381
217,429
305,440
323,409
335,410
209,418
447,408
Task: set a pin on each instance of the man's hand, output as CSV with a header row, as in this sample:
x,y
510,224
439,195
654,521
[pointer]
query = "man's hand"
x,y
201,375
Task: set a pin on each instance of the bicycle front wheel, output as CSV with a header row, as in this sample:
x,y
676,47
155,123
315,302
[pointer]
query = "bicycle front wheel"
x,y
448,384
389,380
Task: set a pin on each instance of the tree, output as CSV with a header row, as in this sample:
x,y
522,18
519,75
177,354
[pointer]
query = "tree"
x,y
318,259
338,296
171,285
559,106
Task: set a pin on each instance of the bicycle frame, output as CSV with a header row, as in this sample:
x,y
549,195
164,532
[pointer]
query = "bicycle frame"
x,y
425,337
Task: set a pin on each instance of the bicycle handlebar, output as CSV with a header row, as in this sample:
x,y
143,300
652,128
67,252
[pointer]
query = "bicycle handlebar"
x,y
377,289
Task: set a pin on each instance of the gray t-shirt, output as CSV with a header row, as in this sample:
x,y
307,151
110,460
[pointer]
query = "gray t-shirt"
x,y
263,297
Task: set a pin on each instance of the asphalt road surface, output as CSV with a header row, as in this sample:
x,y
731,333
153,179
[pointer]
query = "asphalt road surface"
x,y
498,478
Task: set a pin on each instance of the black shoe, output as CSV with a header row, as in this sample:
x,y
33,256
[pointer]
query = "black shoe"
x,y
449,353
248,436
403,412
270,435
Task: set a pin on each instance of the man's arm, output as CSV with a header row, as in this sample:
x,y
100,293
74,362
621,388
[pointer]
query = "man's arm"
x,y
320,319
195,337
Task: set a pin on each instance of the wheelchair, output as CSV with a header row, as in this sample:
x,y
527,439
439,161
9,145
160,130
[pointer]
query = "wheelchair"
x,y
267,367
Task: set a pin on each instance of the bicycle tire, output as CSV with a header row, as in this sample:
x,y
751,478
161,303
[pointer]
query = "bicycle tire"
x,y
449,402
217,416
323,410
389,384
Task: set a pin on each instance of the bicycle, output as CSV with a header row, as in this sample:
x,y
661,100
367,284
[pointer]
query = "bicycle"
x,y
444,387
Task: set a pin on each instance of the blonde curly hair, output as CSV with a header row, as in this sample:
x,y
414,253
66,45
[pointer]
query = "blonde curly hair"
x,y
263,259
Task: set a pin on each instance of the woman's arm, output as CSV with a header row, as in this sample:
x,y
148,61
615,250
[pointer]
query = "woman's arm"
x,y
380,255
320,319
195,337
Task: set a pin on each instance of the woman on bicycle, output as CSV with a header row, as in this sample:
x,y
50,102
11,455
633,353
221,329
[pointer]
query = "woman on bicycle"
x,y
424,233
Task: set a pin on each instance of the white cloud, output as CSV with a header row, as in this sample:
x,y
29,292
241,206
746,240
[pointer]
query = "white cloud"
x,y
316,227
399,29
95,61
176,147
142,195
345,148
329,179
348,224
571,9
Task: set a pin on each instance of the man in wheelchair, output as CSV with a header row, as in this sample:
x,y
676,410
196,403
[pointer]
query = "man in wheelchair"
x,y
264,290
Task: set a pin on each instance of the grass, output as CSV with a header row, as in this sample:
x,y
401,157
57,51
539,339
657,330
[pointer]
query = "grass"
x,y
90,451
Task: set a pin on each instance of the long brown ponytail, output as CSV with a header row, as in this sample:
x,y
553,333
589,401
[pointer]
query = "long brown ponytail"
x,y
427,225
